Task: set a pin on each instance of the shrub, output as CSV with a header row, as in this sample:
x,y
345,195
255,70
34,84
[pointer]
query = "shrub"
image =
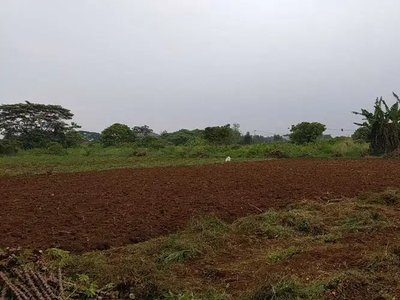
x,y
8,147
55,148
153,143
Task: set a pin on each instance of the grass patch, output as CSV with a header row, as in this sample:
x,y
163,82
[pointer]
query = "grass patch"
x,y
330,238
261,226
362,220
286,288
304,221
174,250
283,254
95,157
283,224
388,197
207,224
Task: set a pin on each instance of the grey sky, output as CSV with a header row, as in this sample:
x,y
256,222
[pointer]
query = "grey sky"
x,y
175,64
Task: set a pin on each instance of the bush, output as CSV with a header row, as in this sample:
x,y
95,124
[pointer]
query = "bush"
x,y
153,143
55,148
8,147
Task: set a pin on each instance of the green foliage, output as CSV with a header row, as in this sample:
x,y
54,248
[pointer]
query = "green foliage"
x,y
349,148
382,126
96,157
182,136
278,138
306,132
84,288
55,148
9,147
175,251
117,134
152,143
60,258
362,220
225,135
142,131
247,139
361,135
35,125
72,139
218,134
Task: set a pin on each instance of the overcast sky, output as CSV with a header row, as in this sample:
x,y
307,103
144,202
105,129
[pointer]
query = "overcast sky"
x,y
171,64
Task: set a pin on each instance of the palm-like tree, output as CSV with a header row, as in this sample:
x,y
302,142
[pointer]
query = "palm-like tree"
x,y
383,125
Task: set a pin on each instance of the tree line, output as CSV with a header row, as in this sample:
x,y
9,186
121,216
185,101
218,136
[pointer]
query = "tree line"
x,y
34,125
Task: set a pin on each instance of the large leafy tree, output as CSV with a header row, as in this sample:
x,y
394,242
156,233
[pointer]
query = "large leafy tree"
x,y
142,131
306,132
382,126
35,125
117,134
219,134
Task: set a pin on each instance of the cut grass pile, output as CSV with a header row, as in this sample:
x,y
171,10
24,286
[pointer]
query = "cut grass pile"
x,y
344,249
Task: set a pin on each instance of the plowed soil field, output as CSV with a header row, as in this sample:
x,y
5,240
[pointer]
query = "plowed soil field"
x,y
95,210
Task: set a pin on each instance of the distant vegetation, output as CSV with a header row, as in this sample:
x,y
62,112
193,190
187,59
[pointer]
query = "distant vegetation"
x,y
153,151
42,136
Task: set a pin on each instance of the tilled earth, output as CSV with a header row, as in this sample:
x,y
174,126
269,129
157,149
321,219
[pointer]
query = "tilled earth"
x,y
96,210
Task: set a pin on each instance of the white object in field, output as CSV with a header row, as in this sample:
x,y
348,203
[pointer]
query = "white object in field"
x,y
228,159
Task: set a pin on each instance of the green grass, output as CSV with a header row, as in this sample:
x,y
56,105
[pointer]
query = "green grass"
x,y
272,224
286,288
283,254
96,157
362,220
388,197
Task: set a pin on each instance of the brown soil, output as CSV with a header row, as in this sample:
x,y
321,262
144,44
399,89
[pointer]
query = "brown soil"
x,y
95,210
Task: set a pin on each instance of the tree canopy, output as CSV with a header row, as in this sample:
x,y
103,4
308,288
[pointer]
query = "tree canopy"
x,y
142,131
36,125
117,134
181,136
247,139
222,134
306,132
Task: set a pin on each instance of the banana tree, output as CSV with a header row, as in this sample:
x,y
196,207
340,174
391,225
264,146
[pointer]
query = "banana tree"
x,y
383,125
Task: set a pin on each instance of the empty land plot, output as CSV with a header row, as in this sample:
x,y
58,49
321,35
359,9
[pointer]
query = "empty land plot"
x,y
95,210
